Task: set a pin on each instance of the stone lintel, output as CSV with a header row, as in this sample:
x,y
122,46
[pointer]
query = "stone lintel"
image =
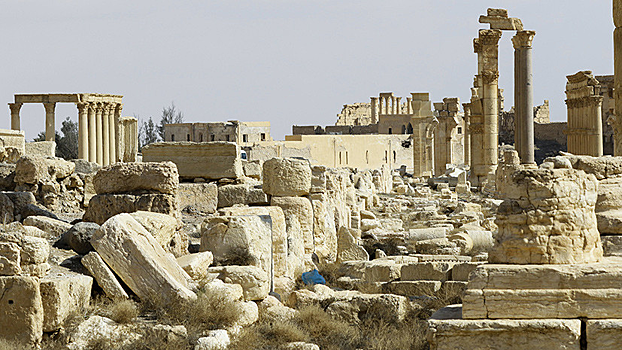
x,y
67,98
502,23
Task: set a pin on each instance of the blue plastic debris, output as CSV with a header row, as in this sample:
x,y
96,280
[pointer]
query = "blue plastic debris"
x,y
313,277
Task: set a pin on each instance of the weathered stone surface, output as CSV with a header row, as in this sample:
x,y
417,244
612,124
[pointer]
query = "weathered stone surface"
x,y
286,177
412,288
139,260
239,240
348,248
253,169
62,296
53,227
279,233
136,177
610,222
7,209
33,169
435,271
504,334
78,237
215,340
202,197
301,208
230,195
208,160
10,259
104,277
254,281
324,227
612,245
298,345
98,329
545,291
104,206
85,167
21,314
196,264
295,247
161,226
7,175
230,291
461,271
34,250
604,334
548,217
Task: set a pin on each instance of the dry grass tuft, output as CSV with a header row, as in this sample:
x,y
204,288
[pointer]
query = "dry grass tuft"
x,y
124,311
326,331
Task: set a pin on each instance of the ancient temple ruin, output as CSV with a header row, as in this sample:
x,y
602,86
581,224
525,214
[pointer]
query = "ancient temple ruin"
x,y
104,137
585,124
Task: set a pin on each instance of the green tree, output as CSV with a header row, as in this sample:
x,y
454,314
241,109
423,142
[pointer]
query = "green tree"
x,y
147,132
67,143
170,115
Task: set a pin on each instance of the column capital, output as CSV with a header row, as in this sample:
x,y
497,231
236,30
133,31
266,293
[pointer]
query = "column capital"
x,y
49,106
523,39
83,107
15,107
99,107
490,76
489,37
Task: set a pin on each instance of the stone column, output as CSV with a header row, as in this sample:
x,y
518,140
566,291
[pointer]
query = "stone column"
x,y
99,136
523,96
409,105
15,120
374,110
92,138
106,133
467,133
115,114
398,107
50,123
617,55
83,131
489,39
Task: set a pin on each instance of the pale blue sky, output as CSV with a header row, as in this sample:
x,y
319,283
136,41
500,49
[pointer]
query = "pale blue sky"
x,y
284,61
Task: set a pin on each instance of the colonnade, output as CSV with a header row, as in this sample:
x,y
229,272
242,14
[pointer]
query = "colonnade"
x,y
585,128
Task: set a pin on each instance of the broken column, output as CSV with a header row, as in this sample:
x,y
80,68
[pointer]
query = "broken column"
x,y
523,96
423,122
447,146
583,99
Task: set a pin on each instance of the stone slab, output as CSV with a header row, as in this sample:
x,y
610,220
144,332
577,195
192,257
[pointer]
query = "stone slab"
x,y
200,196
63,296
504,334
21,309
604,334
104,276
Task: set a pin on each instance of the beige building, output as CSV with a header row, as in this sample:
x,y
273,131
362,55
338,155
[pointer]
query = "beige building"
x,y
231,131
585,122
354,151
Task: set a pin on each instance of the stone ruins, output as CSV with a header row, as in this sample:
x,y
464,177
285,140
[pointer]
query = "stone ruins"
x,y
409,224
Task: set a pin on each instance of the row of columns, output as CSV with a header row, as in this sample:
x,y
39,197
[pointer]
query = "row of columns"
x,y
584,102
98,131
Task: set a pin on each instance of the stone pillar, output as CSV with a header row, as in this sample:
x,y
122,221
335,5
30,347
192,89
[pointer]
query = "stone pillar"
x,y
616,121
393,106
83,131
92,138
523,96
467,134
115,114
106,133
374,110
50,122
489,40
15,120
584,103
398,107
99,133
409,105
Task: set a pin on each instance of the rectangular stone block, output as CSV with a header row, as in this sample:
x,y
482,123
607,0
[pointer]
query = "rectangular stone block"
x,y
202,197
140,261
434,271
208,160
412,288
461,271
9,259
63,296
604,334
21,310
104,276
545,291
504,334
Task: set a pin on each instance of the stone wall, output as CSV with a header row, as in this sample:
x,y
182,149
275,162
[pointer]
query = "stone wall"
x,y
355,114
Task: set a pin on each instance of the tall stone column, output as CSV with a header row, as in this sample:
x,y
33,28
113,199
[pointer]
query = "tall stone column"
x,y
99,133
398,107
114,131
617,55
409,105
467,133
489,40
83,131
50,122
523,96
15,120
92,144
106,133
374,110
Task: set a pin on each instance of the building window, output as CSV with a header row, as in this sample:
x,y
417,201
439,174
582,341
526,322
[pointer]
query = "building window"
x,y
459,130
173,137
263,136
346,157
390,131
367,156
212,137
386,157
200,137
339,158
394,157
245,138
409,130
403,129
227,137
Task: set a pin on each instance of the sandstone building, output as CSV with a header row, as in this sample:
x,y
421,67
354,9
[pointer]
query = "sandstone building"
x,y
231,131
